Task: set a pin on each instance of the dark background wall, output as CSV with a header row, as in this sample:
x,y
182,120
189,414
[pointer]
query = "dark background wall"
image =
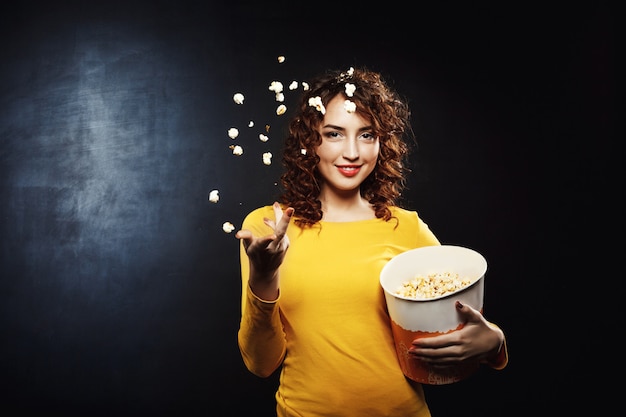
x,y
119,291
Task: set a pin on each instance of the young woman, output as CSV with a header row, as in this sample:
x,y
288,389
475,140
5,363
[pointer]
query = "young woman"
x,y
312,304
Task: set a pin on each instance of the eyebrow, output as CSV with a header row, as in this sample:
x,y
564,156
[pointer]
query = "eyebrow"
x,y
364,128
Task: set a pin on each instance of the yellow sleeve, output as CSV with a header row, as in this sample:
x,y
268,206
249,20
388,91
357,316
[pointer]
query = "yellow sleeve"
x,y
501,360
261,337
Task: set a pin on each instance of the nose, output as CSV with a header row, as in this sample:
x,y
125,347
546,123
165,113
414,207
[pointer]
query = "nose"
x,y
351,149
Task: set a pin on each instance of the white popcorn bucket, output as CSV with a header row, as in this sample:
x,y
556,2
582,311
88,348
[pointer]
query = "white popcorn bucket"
x,y
413,318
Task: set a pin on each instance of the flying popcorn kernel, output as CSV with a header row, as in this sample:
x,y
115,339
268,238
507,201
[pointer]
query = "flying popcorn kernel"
x,y
276,86
317,103
281,59
281,109
228,227
214,196
238,98
280,97
237,150
349,106
350,88
305,86
263,138
293,85
233,132
250,123
267,158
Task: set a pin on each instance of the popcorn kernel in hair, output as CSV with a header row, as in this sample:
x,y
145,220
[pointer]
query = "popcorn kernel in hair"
x,y
317,103
350,89
349,106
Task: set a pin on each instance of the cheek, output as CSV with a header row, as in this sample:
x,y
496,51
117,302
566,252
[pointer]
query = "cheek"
x,y
371,152
327,152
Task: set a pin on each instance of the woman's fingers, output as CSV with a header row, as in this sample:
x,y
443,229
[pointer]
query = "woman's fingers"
x,y
243,234
278,211
277,241
282,220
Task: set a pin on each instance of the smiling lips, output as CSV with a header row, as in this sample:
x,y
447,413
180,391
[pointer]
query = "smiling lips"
x,y
349,170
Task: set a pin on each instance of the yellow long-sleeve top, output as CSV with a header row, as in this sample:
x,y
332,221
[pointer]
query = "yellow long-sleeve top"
x,y
330,328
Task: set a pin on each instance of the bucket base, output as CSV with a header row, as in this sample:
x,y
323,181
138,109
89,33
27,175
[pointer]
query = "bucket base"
x,y
423,372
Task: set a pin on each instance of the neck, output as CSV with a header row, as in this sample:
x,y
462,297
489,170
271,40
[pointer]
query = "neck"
x,y
345,207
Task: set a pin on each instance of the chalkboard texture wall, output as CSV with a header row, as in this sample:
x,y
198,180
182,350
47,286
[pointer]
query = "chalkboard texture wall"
x,y
119,291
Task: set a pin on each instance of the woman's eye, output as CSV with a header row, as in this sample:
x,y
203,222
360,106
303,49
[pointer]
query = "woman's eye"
x,y
333,135
368,136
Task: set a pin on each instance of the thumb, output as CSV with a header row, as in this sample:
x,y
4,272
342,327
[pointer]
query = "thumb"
x,y
466,312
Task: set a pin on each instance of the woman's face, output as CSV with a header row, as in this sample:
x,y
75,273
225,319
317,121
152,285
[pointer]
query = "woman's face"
x,y
349,150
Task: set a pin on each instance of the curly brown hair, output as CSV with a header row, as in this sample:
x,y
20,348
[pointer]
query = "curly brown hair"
x,y
389,115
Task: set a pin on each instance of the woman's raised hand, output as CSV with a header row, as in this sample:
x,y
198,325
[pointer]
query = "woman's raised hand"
x,y
266,253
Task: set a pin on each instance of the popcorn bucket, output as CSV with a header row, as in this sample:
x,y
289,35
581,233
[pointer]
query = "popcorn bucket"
x,y
412,318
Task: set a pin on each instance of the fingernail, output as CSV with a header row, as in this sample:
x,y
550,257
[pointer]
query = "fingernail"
x,y
459,305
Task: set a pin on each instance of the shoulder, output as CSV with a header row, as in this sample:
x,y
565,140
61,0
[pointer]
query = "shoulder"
x,y
253,221
403,214
406,214
258,214
410,222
